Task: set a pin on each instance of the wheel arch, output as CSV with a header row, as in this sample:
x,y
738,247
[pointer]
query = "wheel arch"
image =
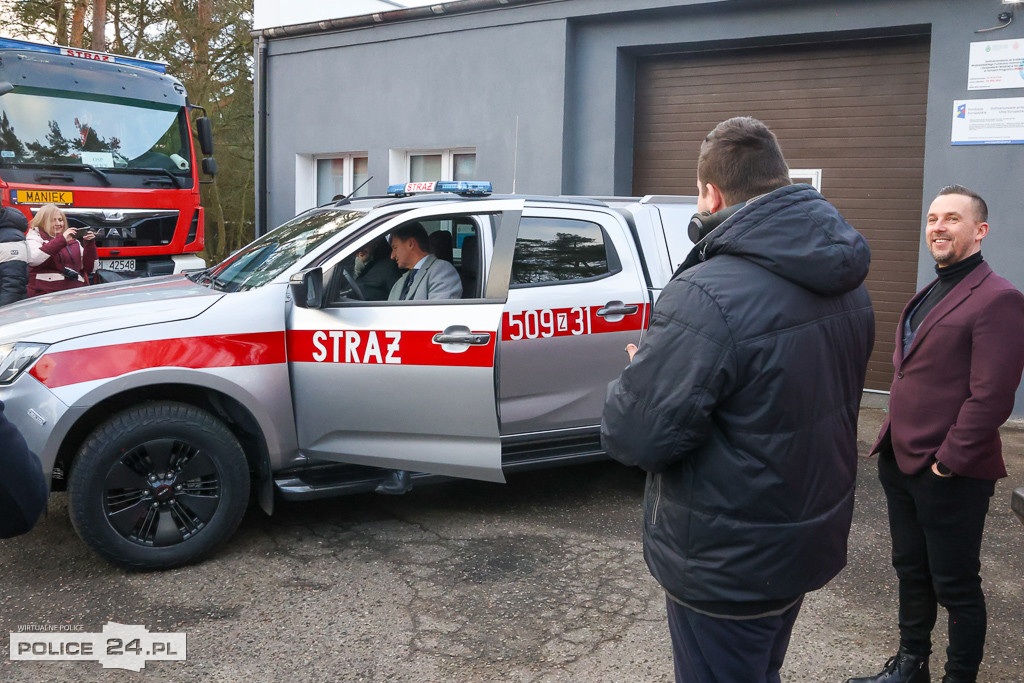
x,y
232,411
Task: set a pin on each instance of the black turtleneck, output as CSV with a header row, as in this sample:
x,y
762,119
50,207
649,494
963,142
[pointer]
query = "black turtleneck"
x,y
949,277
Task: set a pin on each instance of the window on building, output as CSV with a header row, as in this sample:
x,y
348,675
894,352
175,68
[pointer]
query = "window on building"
x,y
341,175
464,166
446,164
811,176
551,250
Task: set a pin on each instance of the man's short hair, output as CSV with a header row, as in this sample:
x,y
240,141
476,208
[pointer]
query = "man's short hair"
x,y
980,207
742,158
415,230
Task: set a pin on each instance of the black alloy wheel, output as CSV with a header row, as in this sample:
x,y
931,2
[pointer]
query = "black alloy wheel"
x,y
158,486
161,492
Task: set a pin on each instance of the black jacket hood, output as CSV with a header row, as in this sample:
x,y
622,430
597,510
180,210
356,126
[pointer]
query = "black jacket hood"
x,y
796,234
12,220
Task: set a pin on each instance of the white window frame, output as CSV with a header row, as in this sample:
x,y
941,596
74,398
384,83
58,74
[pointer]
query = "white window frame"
x,y
811,176
306,179
400,162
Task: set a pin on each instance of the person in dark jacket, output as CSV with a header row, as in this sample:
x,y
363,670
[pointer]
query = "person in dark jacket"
x,y
22,485
741,403
13,256
375,272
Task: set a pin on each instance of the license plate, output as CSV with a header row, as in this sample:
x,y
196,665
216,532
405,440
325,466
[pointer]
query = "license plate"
x,y
119,265
60,197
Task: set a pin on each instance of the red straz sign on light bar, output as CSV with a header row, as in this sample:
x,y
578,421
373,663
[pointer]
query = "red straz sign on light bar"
x,y
421,187
85,54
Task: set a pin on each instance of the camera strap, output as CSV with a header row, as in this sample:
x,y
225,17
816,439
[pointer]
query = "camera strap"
x,y
71,262
71,256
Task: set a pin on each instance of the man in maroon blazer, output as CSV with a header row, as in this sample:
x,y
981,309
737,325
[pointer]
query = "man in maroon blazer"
x,y
959,356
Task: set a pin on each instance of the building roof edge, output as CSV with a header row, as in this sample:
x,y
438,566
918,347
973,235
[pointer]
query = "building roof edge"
x,y
390,17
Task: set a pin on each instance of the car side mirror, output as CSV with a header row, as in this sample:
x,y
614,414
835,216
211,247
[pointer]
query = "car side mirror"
x,y
308,288
204,129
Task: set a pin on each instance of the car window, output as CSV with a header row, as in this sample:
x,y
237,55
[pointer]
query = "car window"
x,y
561,250
454,239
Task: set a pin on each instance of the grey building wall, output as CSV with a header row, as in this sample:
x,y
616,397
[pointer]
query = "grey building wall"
x,y
566,70
456,87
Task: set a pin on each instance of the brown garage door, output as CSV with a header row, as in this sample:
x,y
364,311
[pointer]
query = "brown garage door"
x,y
853,110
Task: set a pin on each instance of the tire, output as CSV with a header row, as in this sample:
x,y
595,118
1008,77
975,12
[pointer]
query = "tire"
x,y
158,486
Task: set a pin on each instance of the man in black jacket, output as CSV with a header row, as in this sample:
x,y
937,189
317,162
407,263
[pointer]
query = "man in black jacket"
x,y
741,403
22,485
13,256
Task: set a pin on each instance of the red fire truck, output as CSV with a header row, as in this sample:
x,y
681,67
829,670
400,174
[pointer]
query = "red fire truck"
x,y
108,139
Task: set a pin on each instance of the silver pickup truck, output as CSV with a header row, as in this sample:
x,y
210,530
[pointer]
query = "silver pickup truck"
x,y
162,404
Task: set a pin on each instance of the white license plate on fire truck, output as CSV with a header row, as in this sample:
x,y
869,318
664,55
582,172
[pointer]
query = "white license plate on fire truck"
x,y
119,265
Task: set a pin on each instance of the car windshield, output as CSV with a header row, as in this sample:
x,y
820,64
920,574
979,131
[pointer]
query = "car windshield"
x,y
267,257
67,129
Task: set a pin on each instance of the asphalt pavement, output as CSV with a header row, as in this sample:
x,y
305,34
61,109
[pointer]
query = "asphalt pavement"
x,y
540,579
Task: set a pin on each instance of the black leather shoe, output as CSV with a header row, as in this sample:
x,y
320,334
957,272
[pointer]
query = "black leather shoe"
x,y
398,482
959,678
903,668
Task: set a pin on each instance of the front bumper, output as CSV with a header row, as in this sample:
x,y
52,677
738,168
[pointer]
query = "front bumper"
x,y
39,415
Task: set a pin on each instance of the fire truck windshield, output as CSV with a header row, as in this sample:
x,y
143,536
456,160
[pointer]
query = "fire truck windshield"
x,y
53,128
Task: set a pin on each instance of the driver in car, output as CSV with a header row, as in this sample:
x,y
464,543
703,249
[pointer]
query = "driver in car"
x,y
427,278
375,271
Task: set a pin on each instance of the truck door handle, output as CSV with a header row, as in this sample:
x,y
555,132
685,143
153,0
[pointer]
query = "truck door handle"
x,y
617,308
460,334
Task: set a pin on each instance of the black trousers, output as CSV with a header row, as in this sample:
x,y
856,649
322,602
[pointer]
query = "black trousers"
x,y
936,525
710,649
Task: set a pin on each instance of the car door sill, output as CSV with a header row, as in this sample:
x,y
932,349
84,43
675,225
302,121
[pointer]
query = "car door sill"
x,y
519,452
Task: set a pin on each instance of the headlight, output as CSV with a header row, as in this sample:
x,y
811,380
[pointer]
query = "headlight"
x,y
15,358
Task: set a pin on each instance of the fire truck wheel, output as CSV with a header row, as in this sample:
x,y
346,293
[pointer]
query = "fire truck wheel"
x,y
157,486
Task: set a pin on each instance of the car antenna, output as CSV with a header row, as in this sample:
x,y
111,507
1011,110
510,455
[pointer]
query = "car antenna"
x,y
515,159
348,198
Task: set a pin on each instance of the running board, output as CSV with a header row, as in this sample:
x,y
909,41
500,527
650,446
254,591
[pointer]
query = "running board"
x,y
328,480
549,449
520,453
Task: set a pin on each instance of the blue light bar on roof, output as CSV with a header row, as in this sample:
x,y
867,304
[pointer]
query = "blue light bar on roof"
x,y
11,44
463,187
